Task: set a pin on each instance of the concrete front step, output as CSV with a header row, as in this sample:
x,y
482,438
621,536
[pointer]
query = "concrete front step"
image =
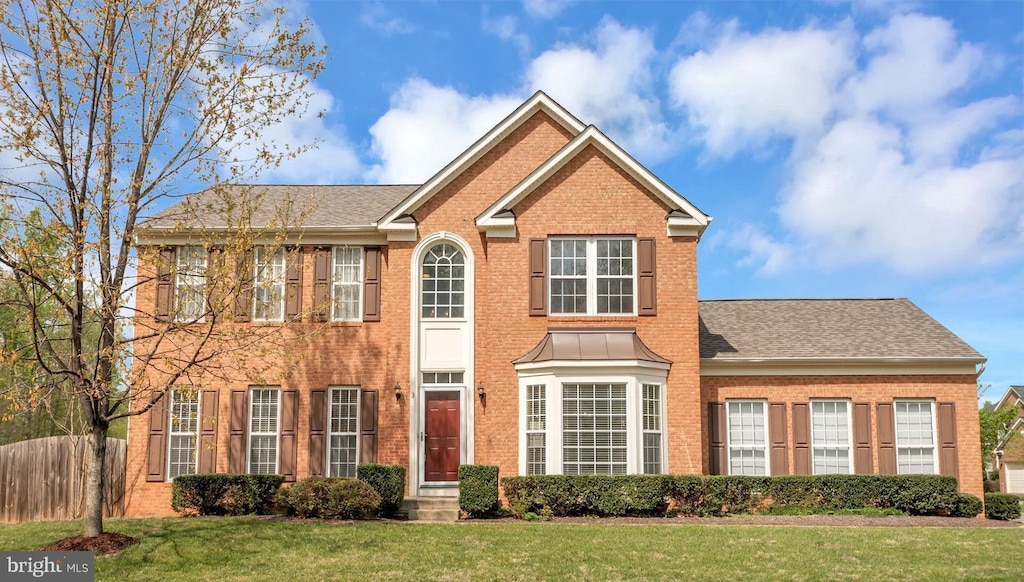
x,y
431,508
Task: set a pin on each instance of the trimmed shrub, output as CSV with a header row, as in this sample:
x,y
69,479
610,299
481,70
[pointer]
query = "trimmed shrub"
x,y
478,489
720,495
224,494
330,498
967,505
1002,506
388,481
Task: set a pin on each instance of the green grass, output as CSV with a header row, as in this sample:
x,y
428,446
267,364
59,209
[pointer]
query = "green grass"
x,y
243,549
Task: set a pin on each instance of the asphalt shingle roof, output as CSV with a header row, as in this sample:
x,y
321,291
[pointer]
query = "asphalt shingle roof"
x,y
289,206
824,329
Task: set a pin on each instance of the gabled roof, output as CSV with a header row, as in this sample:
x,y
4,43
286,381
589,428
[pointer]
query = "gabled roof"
x,y
538,102
683,218
590,344
296,206
1013,394
826,330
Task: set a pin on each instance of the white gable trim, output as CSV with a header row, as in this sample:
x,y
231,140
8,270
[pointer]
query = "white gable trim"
x,y
539,102
1008,397
678,224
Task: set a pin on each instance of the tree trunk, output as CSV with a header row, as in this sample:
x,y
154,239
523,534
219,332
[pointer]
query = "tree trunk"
x,y
93,516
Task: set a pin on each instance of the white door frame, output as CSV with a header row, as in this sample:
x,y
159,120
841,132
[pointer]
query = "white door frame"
x,y
416,389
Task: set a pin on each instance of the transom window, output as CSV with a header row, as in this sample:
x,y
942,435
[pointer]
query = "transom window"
x,y
184,433
344,432
830,437
190,284
592,276
915,437
443,377
748,437
263,430
268,292
443,282
347,284
594,429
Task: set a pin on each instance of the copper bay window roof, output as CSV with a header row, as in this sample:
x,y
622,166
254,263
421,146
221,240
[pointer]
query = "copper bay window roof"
x,y
591,344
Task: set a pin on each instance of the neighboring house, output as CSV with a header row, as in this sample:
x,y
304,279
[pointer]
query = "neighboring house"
x,y
534,306
1009,452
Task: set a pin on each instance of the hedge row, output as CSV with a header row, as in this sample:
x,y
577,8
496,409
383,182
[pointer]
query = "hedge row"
x,y
329,498
1002,506
718,495
224,494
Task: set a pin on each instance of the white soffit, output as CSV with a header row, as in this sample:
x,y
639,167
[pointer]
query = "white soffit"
x,y
538,102
689,222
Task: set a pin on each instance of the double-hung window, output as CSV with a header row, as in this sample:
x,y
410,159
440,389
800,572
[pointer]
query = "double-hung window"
x,y
592,276
830,437
915,437
344,432
536,429
263,430
184,432
748,437
268,291
594,429
347,284
652,428
190,283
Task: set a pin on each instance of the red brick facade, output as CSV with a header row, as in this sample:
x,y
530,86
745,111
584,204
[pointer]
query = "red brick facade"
x,y
590,195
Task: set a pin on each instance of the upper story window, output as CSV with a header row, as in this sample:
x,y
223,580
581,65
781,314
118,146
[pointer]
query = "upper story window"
x,y
592,276
347,284
190,283
444,282
268,285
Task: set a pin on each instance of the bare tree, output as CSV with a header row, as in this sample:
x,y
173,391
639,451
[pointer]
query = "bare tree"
x,y
109,110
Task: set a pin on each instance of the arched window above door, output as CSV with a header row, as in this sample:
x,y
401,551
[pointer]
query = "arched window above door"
x,y
443,283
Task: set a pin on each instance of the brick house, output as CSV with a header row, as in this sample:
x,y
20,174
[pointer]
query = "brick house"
x,y
534,306
1009,454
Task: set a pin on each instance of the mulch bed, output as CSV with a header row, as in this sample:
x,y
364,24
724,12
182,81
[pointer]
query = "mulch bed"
x,y
103,544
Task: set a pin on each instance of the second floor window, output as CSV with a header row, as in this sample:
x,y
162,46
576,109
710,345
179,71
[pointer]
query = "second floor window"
x,y
444,282
592,276
347,284
190,284
268,292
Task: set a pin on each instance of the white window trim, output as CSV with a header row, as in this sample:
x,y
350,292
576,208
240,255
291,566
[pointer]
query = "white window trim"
x,y
358,283
935,430
330,433
257,283
250,433
591,275
190,281
661,425
172,433
553,410
849,432
767,436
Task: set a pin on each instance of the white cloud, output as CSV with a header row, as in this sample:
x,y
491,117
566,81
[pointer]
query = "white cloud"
x,y
892,164
427,127
377,17
545,8
507,28
747,89
609,85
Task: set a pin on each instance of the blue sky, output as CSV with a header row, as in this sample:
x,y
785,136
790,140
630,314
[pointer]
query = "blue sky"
x,y
865,149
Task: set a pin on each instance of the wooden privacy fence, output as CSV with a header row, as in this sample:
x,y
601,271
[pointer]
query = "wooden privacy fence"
x,y
44,479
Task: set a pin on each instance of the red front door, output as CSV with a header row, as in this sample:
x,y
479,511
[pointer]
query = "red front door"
x,y
442,436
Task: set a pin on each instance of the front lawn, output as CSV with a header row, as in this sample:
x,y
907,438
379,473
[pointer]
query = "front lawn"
x,y
247,548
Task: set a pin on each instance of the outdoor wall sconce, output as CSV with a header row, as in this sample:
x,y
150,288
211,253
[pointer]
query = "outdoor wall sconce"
x,y
398,391
480,391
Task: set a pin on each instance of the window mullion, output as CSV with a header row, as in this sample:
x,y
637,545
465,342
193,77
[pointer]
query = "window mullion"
x,y
591,276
